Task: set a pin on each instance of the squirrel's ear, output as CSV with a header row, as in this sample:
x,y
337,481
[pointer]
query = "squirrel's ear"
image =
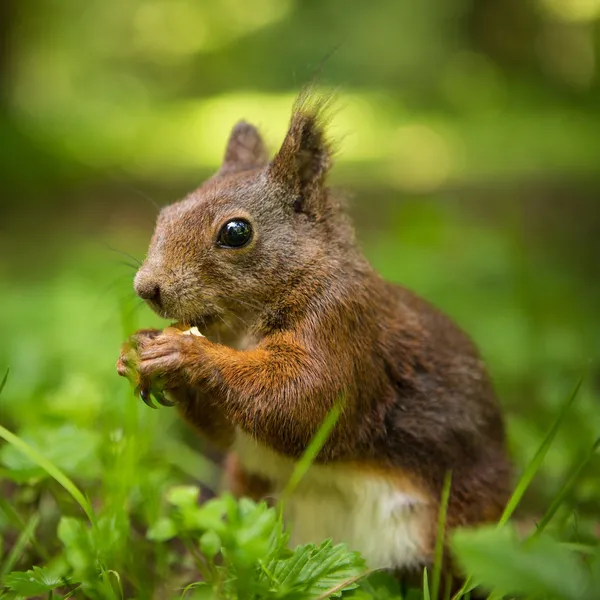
x,y
304,159
245,149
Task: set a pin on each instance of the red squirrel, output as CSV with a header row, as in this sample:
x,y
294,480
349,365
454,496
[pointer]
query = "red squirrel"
x,y
262,258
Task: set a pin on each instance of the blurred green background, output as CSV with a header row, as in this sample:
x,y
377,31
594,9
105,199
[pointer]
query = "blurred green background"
x,y
469,143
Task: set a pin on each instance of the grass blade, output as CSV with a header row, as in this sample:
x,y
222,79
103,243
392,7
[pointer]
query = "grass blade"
x,y
529,474
16,521
16,551
584,549
538,458
342,586
441,533
41,461
448,590
565,489
4,380
311,451
426,595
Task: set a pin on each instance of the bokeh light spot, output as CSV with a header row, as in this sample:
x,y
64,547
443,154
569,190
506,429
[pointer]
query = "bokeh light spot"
x,y
422,158
573,10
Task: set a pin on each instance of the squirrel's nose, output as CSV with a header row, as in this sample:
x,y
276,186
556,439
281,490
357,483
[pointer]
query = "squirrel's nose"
x,y
147,289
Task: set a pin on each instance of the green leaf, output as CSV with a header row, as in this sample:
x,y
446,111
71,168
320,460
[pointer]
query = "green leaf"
x,y
210,544
250,530
497,560
256,524
183,496
204,517
80,550
164,529
32,583
313,570
278,540
378,585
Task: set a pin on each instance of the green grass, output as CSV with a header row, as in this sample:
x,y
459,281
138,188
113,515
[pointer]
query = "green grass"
x,y
441,539
100,494
41,461
250,541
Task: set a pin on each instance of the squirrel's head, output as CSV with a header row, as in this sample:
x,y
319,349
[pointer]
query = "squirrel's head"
x,y
250,232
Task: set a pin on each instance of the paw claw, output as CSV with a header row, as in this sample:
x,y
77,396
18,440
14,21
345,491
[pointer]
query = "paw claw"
x,y
145,396
161,399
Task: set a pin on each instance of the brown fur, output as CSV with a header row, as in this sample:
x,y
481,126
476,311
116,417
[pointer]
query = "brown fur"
x,y
298,319
240,483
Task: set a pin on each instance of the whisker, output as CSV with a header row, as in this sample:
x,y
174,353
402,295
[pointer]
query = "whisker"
x,y
254,306
127,264
125,254
116,282
203,323
242,320
111,286
143,195
228,325
134,309
124,184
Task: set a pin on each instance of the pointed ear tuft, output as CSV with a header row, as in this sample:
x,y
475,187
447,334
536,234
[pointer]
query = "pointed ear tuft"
x,y
305,156
245,150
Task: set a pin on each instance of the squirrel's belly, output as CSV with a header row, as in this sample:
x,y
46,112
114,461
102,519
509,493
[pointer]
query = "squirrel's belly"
x,y
388,522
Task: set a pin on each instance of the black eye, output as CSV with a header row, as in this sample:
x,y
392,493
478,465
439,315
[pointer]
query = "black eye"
x,y
235,233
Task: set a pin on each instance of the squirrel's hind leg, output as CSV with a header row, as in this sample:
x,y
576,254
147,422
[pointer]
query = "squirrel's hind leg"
x,y
241,483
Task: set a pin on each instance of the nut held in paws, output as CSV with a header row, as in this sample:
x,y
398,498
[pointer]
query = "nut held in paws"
x,y
192,331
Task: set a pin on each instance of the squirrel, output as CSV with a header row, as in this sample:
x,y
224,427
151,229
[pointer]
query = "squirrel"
x,y
262,258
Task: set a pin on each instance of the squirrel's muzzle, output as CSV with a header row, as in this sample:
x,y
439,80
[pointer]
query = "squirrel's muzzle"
x,y
147,288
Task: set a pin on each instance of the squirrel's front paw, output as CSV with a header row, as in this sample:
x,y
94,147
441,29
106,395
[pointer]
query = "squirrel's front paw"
x,y
128,365
128,359
164,356
168,360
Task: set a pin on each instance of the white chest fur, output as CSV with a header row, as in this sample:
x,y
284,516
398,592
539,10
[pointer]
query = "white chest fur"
x,y
370,513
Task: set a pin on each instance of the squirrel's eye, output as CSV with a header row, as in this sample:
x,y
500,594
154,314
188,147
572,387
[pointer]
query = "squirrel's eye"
x,y
235,233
